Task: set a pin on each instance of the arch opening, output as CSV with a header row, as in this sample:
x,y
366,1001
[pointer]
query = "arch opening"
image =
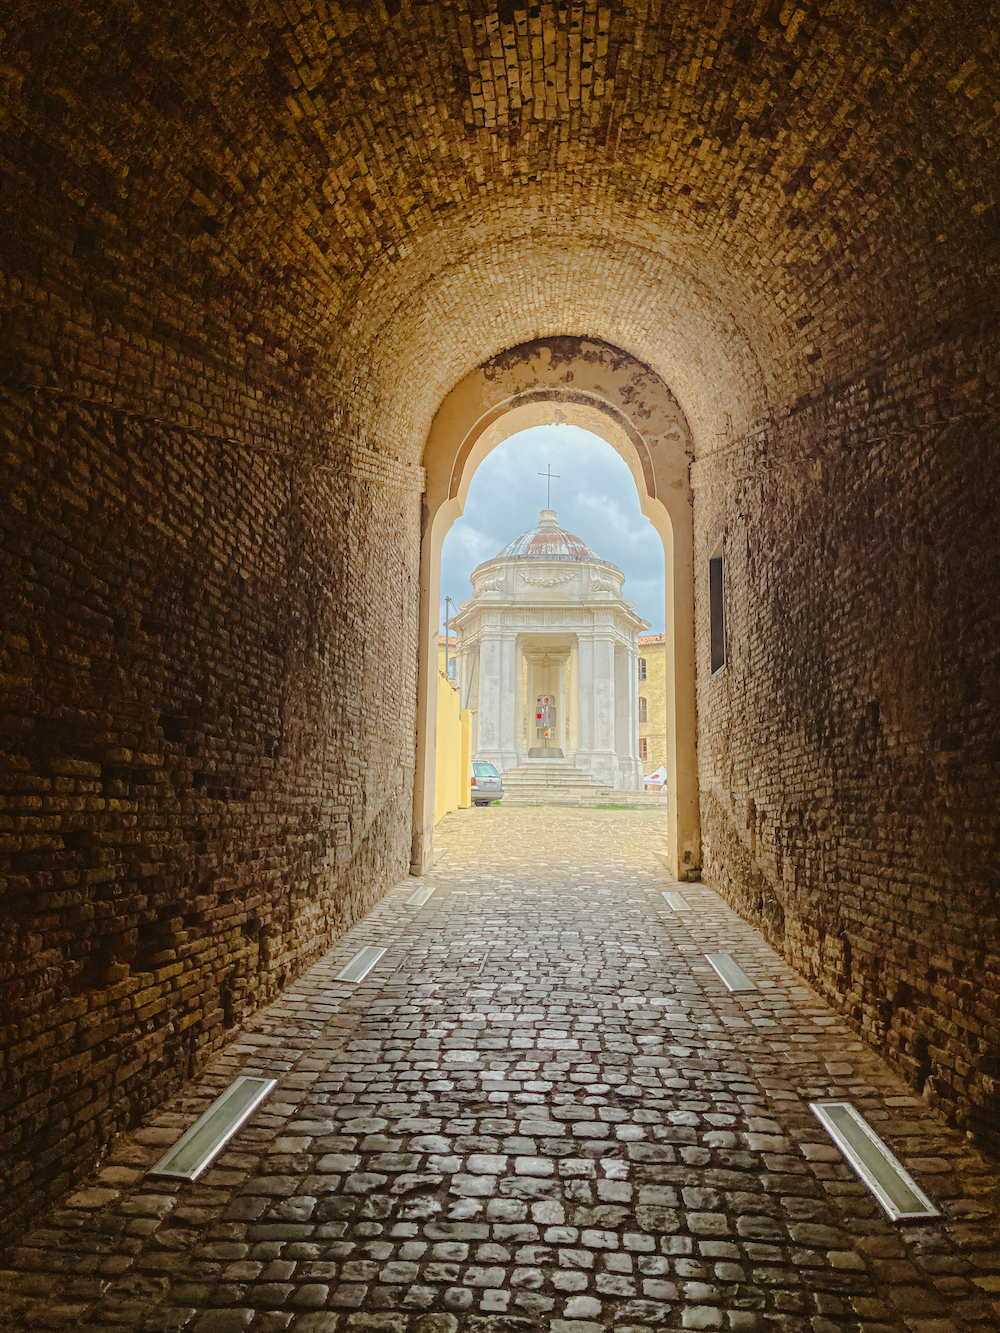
x,y
582,382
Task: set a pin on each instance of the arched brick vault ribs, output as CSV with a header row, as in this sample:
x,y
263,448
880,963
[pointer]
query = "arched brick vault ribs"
x,y
248,249
302,181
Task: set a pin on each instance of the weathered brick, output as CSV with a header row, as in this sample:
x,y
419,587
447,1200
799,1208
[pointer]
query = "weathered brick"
x,y
246,255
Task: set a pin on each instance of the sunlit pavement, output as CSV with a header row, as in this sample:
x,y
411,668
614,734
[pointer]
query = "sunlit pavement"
x,y
541,1110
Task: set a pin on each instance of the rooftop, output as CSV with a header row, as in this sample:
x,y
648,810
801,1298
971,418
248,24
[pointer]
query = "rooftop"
x,y
548,541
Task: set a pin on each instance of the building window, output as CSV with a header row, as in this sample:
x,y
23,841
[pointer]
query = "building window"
x,y
642,709
643,748
717,610
451,668
642,668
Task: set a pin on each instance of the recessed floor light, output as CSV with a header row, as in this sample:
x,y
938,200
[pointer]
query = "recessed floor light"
x,y
420,896
676,900
361,964
893,1187
733,975
211,1132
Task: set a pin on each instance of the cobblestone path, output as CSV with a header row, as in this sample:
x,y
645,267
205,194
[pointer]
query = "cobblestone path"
x,y
541,1110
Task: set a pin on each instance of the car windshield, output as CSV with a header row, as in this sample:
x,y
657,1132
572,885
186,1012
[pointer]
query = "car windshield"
x,y
484,771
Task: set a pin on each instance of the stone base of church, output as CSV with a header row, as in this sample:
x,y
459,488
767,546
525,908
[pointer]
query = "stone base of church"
x,y
603,768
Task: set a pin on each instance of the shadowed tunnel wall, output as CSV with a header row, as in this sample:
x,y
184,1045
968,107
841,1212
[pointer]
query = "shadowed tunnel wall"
x,y
247,252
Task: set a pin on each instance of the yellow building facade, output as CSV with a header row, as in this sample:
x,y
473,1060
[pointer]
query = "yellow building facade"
x,y
652,701
453,757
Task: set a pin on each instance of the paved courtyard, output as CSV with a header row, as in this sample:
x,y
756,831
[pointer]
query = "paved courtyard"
x,y
541,1110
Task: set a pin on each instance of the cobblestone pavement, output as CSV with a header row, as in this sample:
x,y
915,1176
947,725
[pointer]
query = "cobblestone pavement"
x,y
541,1110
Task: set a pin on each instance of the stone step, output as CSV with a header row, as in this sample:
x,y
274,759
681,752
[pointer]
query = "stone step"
x,y
536,766
559,782
548,771
636,800
537,793
551,791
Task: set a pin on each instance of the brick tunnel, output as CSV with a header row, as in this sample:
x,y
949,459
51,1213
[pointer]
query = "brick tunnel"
x,y
249,251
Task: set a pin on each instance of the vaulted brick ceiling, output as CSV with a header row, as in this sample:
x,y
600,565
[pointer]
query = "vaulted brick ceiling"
x,y
237,230
759,200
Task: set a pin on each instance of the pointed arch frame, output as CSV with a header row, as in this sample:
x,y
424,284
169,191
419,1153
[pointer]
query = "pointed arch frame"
x,y
582,382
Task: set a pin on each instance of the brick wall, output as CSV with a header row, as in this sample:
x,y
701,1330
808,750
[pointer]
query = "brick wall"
x,y
848,748
246,251
208,651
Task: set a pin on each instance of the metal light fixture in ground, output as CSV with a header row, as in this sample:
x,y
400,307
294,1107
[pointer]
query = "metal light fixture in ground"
x,y
361,964
676,900
210,1133
420,896
895,1190
732,974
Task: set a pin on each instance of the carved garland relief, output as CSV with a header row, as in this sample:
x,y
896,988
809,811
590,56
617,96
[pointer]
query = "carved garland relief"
x,y
553,582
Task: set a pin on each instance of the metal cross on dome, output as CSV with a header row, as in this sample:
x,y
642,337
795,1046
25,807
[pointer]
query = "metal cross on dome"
x,y
550,477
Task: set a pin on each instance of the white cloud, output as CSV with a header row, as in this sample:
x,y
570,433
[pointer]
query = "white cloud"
x,y
594,497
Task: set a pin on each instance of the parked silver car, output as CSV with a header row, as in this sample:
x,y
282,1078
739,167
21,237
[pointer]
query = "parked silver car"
x,y
486,786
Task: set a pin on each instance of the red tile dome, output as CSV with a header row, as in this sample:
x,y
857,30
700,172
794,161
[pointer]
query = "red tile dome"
x,y
548,542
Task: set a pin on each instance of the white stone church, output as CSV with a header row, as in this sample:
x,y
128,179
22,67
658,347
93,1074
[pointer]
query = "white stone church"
x,y
547,659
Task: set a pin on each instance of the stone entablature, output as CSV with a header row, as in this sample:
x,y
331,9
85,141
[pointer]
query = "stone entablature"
x,y
547,618
499,579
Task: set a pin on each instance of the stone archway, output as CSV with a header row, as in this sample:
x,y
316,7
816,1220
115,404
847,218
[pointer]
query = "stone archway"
x,y
583,382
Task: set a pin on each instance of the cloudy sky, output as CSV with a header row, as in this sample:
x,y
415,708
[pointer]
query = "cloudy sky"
x,y
594,497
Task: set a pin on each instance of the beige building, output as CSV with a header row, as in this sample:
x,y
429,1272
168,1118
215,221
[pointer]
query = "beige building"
x,y
547,628
651,693
652,706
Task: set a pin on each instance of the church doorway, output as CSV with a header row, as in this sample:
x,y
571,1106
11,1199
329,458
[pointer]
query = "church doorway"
x,y
586,383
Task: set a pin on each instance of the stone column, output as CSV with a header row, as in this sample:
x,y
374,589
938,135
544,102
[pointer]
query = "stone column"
x,y
560,736
468,670
585,700
529,704
633,675
604,764
621,715
519,710
506,703
489,700
626,715
573,696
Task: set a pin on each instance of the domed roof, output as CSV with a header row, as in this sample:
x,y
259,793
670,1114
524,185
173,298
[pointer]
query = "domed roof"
x,y
548,542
